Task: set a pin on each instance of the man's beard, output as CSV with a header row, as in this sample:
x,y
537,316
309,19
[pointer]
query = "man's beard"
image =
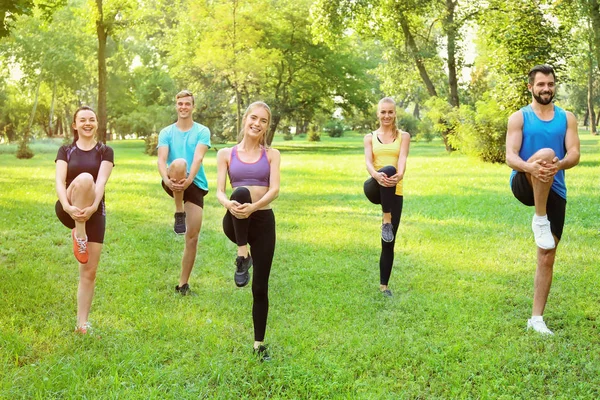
x,y
543,101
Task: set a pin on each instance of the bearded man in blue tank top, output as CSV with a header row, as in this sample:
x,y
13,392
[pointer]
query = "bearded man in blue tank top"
x,y
541,143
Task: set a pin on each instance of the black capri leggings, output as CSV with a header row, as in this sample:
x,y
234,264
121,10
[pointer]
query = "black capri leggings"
x,y
94,227
260,235
390,202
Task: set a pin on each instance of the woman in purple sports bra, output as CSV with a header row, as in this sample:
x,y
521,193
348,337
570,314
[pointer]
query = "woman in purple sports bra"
x,y
253,170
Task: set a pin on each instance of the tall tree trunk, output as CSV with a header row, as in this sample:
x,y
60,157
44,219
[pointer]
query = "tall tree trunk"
x,y
594,14
451,36
414,52
50,130
590,91
274,123
32,116
102,32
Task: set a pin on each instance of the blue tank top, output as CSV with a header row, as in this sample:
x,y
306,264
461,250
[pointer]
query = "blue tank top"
x,y
538,134
241,173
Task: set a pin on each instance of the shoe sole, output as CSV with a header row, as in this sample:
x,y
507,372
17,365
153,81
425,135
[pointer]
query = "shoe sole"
x,y
243,284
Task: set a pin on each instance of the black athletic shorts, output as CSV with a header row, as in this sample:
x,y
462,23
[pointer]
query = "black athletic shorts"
x,y
193,194
555,206
94,227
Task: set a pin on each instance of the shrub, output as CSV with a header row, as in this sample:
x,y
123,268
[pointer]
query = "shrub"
x,y
151,143
334,128
482,132
288,136
24,152
314,135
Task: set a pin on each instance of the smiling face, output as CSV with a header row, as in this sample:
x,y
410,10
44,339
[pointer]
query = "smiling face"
x,y
386,113
543,88
85,123
185,107
256,122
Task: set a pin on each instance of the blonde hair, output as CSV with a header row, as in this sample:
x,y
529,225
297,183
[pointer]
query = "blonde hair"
x,y
389,100
263,140
185,93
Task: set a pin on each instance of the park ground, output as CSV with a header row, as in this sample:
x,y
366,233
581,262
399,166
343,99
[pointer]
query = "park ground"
x,y
455,328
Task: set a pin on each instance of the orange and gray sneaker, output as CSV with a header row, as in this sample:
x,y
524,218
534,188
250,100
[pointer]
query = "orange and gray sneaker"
x,y
83,329
80,248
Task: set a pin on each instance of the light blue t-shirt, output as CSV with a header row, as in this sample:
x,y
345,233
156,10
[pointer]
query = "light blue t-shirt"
x,y
539,134
183,145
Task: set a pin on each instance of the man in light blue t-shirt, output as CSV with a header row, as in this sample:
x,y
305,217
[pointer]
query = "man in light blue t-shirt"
x,y
181,149
541,143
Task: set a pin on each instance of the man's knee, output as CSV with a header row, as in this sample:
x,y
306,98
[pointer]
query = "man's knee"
x,y
178,169
545,154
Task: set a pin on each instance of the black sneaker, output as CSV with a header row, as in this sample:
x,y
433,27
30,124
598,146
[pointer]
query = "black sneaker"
x,y
242,276
183,290
262,353
179,226
387,233
386,293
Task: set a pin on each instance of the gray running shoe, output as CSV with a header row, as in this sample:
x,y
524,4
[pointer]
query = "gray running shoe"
x,y
242,276
179,226
386,293
387,233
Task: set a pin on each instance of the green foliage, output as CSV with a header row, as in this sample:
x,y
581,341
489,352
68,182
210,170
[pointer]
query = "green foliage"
x,y
408,123
482,131
313,134
151,143
334,128
443,119
24,152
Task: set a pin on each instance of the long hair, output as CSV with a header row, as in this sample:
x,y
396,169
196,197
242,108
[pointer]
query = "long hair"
x,y
389,100
263,140
75,133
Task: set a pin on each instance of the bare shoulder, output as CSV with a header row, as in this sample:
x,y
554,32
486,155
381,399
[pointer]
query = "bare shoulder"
x,y
224,153
368,137
571,117
273,153
515,120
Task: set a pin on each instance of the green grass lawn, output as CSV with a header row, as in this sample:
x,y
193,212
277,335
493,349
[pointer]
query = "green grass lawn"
x,y
455,328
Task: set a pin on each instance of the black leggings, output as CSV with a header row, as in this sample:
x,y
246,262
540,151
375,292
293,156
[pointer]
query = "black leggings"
x,y
260,235
390,202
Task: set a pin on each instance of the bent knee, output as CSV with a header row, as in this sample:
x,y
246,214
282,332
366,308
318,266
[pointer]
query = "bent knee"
x,y
83,181
545,154
178,168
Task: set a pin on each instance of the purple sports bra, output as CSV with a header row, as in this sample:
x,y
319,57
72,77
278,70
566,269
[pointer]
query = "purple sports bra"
x,y
249,174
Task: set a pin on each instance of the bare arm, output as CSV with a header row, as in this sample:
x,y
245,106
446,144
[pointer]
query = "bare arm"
x,y
368,145
514,140
104,172
571,159
163,154
61,187
222,168
274,180
401,168
199,154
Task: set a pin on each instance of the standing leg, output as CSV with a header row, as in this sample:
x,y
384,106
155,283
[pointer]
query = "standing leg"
x,y
262,240
194,223
386,260
87,282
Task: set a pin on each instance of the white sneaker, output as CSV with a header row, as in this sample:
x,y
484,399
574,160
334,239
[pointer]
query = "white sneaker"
x,y
539,326
543,234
